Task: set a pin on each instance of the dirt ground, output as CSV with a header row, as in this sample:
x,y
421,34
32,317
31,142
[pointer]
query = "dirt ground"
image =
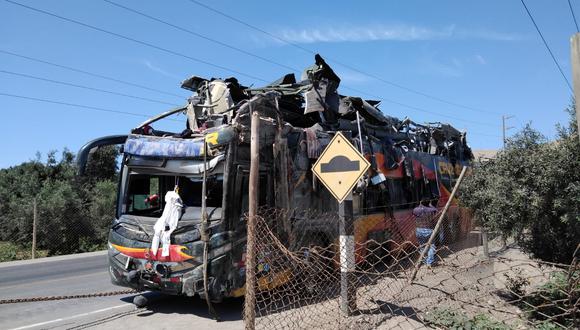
x,y
462,280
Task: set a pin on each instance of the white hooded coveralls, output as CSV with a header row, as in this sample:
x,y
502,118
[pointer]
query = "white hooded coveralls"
x,y
167,223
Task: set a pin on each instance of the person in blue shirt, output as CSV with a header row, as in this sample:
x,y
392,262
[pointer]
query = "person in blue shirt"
x,y
425,221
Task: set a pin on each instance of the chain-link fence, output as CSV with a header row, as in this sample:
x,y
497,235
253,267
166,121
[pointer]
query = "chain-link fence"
x,y
299,275
42,229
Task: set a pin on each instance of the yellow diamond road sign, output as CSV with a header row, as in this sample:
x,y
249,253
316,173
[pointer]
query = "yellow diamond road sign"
x,y
340,166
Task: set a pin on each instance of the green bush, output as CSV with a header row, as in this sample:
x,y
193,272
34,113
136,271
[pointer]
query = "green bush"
x,y
550,301
447,318
516,283
531,192
8,251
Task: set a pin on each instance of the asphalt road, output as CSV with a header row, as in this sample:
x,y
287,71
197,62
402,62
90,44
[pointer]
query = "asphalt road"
x,y
88,273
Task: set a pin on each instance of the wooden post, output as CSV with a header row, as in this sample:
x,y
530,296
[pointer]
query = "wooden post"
x,y
34,225
250,302
436,229
575,58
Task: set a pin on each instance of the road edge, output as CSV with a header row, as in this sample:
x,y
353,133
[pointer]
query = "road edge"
x,y
51,259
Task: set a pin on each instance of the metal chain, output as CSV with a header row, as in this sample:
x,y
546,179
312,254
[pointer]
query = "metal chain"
x,y
77,296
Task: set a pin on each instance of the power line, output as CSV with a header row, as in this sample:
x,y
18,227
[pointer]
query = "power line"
x,y
483,134
388,82
88,73
73,105
272,61
201,36
93,108
421,109
84,87
100,109
221,67
144,43
547,47
573,16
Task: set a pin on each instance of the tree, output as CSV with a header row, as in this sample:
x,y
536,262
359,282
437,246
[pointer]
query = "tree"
x,y
102,164
62,218
74,213
531,192
102,209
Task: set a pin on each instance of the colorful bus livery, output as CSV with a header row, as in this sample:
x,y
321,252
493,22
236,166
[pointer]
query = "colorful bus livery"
x,y
206,251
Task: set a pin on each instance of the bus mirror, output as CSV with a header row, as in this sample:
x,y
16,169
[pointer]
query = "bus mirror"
x,y
90,147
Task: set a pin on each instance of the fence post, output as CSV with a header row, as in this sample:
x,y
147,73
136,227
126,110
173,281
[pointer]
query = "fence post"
x,y
436,229
347,261
485,242
250,302
34,225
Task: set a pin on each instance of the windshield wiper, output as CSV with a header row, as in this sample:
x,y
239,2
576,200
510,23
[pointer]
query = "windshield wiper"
x,y
136,223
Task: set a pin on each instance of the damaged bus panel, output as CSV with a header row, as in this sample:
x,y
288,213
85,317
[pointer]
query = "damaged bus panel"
x,y
179,226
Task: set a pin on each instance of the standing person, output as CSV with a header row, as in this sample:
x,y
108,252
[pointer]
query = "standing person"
x,y
425,221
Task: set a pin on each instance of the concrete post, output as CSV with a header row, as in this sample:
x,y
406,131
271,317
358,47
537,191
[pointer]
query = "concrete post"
x,y
485,243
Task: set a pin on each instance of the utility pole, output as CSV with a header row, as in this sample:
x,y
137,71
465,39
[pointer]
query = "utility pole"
x,y
504,128
575,58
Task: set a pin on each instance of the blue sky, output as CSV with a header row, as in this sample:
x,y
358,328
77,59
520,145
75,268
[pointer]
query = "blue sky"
x,y
485,55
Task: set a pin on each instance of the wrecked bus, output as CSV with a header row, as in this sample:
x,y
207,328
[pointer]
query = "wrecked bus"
x,y
202,252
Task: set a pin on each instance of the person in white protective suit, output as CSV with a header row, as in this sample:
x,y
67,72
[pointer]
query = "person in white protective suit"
x,y
167,223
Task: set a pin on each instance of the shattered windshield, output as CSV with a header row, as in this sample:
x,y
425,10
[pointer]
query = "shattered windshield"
x,y
145,192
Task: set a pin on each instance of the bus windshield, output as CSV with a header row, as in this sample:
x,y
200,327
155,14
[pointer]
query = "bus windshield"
x,y
145,192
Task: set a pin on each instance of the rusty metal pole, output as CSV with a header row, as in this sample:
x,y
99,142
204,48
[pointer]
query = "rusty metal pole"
x,y
250,302
436,229
34,225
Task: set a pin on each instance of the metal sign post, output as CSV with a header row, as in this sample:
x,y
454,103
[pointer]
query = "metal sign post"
x,y
347,261
339,168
